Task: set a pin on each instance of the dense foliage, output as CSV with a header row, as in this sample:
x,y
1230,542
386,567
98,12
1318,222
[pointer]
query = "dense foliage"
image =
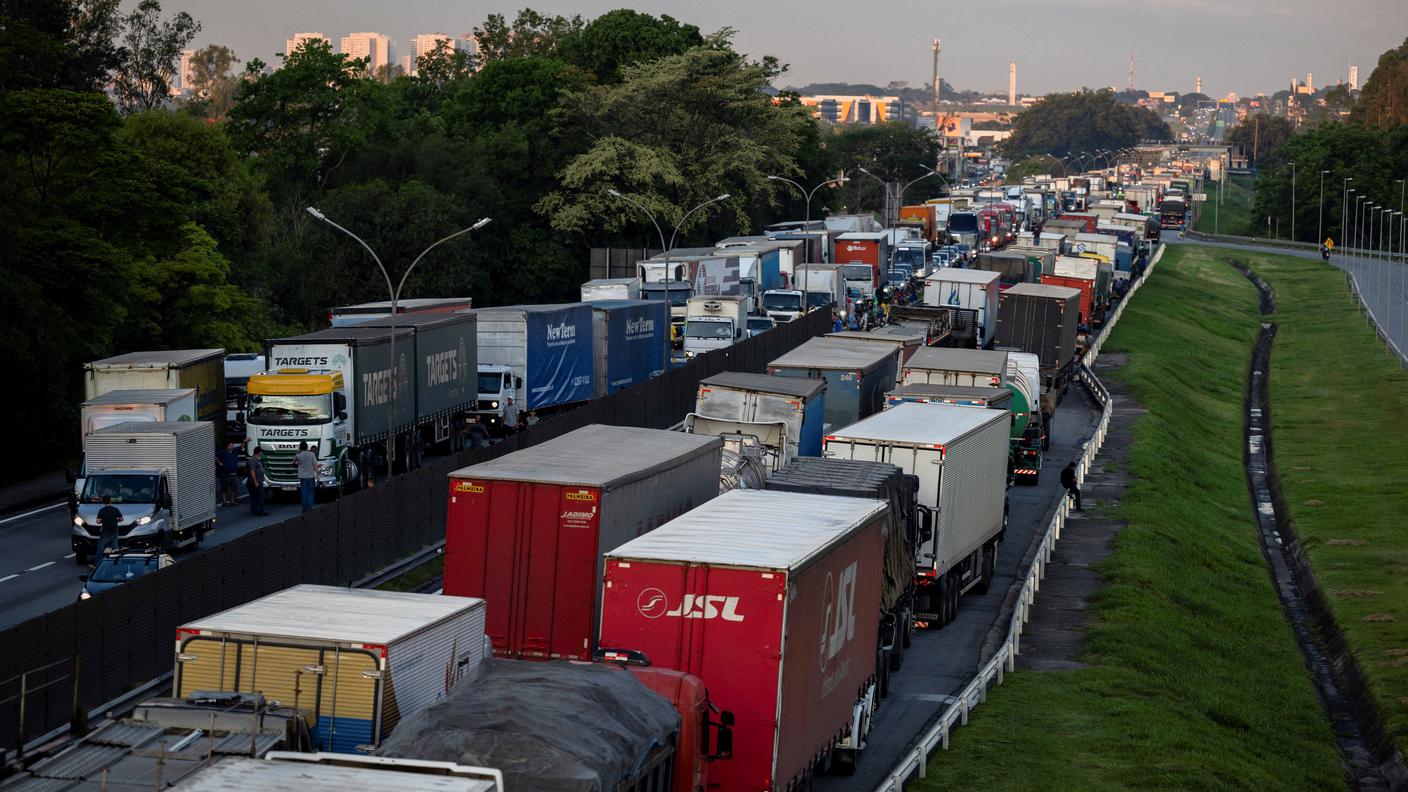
x,y
1062,124
1384,100
1260,135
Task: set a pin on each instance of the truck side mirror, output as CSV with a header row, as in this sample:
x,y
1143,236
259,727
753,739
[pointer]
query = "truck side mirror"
x,y
166,501
926,524
341,415
517,383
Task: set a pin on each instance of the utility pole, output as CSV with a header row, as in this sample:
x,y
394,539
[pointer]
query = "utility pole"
x,y
1131,71
938,45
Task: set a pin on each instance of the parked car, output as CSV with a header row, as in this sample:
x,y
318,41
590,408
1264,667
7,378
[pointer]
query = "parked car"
x,y
124,566
758,325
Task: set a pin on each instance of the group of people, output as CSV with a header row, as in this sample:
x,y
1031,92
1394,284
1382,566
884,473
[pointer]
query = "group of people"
x,y
256,482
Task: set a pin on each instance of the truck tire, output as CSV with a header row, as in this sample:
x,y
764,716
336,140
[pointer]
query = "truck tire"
x,y
987,566
908,628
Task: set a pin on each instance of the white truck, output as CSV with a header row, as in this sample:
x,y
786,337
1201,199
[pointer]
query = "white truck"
x,y
782,305
960,456
714,322
971,295
823,285
611,289
161,476
202,369
158,405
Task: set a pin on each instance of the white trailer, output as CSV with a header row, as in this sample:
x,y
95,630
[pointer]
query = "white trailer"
x,y
611,289
967,290
960,456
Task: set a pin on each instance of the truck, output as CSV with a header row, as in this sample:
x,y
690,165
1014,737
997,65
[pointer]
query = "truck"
x,y
1012,267
823,285
914,254
785,414
239,367
611,289
974,368
352,315
1041,319
676,294
883,482
155,405
859,279
961,395
714,323
630,343
527,531
359,660
741,592
1078,273
202,369
782,305
971,296
541,356
906,339
857,375
290,771
161,476
706,272
1172,212
1047,240
554,726
872,248
1030,425
960,456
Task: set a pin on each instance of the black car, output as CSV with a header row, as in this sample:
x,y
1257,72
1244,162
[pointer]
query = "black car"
x,y
123,566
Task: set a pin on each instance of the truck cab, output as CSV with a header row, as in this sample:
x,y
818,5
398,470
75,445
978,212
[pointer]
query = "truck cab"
x,y
860,277
143,495
714,322
497,384
677,293
782,305
292,406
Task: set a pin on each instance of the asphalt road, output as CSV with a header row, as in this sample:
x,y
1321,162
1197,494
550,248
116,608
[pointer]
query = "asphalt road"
x,y
940,664
37,569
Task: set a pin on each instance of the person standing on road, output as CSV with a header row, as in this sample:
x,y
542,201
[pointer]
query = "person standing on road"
x,y
510,416
254,473
1068,480
109,517
307,464
227,460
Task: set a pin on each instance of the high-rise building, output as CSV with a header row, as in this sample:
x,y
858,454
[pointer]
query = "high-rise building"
x,y
1012,83
1353,77
297,40
1310,82
181,81
1197,85
374,47
423,45
408,64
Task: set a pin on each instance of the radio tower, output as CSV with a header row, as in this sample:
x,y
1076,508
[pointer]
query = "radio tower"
x,y
938,45
1131,71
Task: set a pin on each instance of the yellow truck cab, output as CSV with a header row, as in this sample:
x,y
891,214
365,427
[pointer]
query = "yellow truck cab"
x,y
292,406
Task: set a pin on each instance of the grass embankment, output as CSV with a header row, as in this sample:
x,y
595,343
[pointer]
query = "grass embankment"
x,y
1338,402
1194,679
1235,215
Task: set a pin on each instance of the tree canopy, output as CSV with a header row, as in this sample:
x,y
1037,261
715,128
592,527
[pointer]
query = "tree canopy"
x,y
1383,102
1068,123
1260,135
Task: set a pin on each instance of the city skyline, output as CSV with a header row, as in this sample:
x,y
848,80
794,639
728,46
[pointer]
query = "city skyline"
x,y
1171,44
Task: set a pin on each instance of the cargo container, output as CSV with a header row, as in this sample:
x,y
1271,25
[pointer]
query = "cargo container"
x,y
201,369
1011,267
871,248
630,342
784,413
741,592
350,315
444,349
611,289
971,295
1042,320
823,285
160,476
287,771
156,405
358,660
961,395
875,481
1086,220
857,375
960,455
527,531
976,368
1077,273
540,355
1047,240
906,339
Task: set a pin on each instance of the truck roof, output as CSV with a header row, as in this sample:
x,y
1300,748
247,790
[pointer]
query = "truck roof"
x,y
420,320
593,456
863,236
611,282
333,613
921,424
157,359
800,387
902,336
931,390
405,306
1042,290
946,359
355,335
527,309
141,396
845,477
754,528
957,275
835,353
154,427
1108,239
243,774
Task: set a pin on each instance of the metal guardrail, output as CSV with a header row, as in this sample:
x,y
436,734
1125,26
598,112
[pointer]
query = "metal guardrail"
x,y
1004,661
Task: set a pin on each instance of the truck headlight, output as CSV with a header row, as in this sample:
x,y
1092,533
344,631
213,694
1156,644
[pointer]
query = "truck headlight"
x,y
144,520
494,405
78,521
83,595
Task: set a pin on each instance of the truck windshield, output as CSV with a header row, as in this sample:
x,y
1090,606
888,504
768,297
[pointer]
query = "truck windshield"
x,y
857,272
818,299
961,222
290,409
909,255
491,382
776,301
123,489
678,298
697,329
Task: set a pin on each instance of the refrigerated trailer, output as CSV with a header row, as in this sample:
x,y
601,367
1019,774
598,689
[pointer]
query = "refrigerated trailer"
x,y
857,374
202,369
527,531
785,414
960,455
773,599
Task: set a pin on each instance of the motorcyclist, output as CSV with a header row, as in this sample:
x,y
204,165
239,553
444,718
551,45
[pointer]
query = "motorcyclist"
x,y
1324,252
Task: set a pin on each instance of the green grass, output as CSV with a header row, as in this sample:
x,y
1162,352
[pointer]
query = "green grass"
x,y
1338,402
1195,681
416,577
1235,215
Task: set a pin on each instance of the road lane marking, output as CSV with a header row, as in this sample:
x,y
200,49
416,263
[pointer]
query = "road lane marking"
x,y
41,566
70,555
8,577
34,512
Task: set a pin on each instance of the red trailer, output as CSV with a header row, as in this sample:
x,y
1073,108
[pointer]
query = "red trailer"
x,y
527,531
1090,220
773,599
864,248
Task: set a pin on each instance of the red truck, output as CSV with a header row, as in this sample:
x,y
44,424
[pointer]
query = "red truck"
x,y
773,599
527,531
1090,220
860,247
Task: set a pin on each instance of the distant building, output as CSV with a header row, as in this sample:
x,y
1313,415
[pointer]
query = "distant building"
x,y
835,109
374,47
1353,77
423,45
182,82
297,40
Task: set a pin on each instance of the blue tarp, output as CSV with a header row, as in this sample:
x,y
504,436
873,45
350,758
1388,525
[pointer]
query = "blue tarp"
x,y
559,355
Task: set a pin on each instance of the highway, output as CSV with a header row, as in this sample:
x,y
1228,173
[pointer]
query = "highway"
x,y
38,573
941,663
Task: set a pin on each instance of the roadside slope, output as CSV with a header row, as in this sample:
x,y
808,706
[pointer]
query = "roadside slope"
x,y
1195,681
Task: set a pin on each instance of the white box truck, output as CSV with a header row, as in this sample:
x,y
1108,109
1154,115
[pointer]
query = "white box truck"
x,y
202,369
960,456
157,405
161,476
611,289
358,660
971,294
714,322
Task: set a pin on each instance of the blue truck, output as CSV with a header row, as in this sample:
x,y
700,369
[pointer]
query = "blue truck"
x,y
857,374
784,413
630,342
538,355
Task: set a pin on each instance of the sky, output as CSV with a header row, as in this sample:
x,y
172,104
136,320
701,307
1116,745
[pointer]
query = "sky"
x,y
1242,46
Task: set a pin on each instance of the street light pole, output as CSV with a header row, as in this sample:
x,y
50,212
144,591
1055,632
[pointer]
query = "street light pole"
x,y
1293,202
900,197
395,294
1320,223
808,225
664,248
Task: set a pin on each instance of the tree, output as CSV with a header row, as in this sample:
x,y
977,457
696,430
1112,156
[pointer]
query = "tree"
x,y
530,35
1260,135
1061,124
213,81
66,44
151,50
185,300
894,152
1383,102
622,37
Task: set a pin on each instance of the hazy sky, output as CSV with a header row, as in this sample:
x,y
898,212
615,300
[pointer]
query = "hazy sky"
x,y
1245,46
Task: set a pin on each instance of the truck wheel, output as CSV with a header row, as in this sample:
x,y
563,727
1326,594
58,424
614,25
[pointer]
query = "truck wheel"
x,y
988,566
351,475
844,761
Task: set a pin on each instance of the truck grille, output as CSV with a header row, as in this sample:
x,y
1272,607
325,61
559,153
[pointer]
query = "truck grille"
x,y
280,467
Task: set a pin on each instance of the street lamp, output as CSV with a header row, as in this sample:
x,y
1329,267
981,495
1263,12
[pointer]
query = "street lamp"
x,y
898,197
1293,202
395,294
1320,223
842,179
664,247
1344,212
